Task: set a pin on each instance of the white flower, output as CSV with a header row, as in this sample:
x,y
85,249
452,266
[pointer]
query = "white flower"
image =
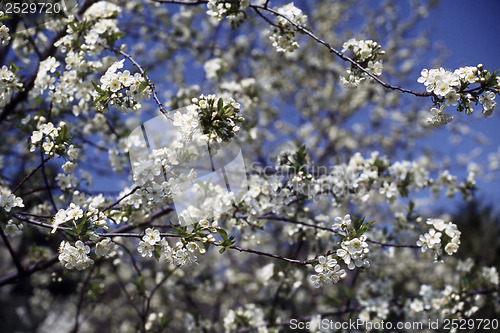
x,y
104,247
151,236
73,152
487,100
145,249
184,257
353,252
375,67
114,83
72,213
13,230
69,167
204,223
36,137
126,78
342,223
332,274
439,117
325,264
490,274
9,200
167,251
452,98
433,237
191,246
452,246
438,224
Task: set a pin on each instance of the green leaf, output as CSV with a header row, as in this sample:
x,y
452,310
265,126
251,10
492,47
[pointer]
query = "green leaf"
x,y
157,252
220,106
364,228
143,86
14,68
97,88
222,233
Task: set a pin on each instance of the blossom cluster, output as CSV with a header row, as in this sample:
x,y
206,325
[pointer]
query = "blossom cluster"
x,y
283,37
98,25
233,10
441,234
354,252
451,88
444,303
72,213
366,54
9,84
52,139
4,31
75,256
181,254
375,298
12,229
114,82
249,315
8,200
43,79
328,270
214,67
218,116
365,179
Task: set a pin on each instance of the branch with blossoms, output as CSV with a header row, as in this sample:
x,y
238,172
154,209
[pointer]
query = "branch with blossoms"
x,y
149,82
301,28
445,88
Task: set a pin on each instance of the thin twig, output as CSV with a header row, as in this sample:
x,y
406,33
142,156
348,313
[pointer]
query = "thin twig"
x,y
156,288
81,297
30,174
20,268
129,297
340,54
272,255
46,181
23,218
411,246
121,199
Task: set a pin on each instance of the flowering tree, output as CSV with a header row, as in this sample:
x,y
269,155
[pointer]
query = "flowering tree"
x,y
334,219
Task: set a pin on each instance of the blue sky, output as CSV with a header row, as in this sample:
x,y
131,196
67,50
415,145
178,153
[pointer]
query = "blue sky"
x,y
469,31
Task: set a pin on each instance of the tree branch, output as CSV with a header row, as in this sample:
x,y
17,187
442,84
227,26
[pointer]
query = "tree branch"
x,y
20,268
37,266
340,54
30,174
